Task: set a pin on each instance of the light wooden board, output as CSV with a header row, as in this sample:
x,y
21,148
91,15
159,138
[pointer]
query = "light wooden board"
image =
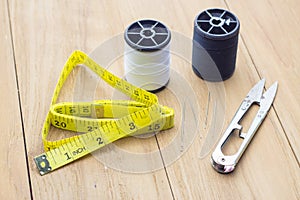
x,y
267,170
45,34
192,178
14,181
64,26
272,36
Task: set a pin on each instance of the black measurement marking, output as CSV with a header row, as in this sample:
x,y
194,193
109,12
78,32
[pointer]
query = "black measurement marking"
x,y
63,124
78,151
73,143
99,140
90,128
67,155
131,126
118,82
60,124
72,109
56,123
110,77
85,109
59,110
136,93
83,139
106,126
154,127
77,142
146,97
53,158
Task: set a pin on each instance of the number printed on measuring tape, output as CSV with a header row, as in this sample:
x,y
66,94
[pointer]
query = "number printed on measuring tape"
x,y
142,115
154,127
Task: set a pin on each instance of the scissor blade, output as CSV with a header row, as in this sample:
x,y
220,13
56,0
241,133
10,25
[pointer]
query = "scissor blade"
x,y
268,97
255,93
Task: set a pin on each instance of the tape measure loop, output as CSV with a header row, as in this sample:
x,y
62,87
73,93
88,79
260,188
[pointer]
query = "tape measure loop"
x,y
101,121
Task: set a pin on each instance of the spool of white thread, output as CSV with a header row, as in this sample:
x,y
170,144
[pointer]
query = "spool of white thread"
x,y
147,54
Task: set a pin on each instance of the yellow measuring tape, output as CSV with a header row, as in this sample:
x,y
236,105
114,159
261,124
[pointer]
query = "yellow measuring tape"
x,y
100,122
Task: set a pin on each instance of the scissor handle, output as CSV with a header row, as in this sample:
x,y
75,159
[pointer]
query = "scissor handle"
x,y
226,164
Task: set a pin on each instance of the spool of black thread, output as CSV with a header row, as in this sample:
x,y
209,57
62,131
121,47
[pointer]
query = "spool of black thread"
x,y
215,44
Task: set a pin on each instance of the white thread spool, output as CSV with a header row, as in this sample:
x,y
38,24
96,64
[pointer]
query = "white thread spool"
x,y
147,54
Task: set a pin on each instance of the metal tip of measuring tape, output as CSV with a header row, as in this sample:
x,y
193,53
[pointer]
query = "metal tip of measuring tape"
x,y
42,164
73,148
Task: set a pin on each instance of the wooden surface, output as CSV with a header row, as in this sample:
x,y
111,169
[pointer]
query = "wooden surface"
x,y
38,36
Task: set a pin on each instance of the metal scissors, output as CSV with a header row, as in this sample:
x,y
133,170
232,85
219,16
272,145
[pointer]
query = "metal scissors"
x,y
227,163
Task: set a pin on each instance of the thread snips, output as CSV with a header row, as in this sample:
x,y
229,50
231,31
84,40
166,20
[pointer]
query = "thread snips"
x,y
227,163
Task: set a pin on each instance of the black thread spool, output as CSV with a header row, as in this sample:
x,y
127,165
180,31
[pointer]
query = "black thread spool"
x,y
215,44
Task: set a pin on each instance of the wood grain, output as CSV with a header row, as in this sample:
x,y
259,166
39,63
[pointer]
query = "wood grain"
x,y
264,170
272,38
46,32
14,181
87,178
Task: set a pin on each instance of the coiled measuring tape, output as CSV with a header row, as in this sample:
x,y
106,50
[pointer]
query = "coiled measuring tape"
x,y
102,121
